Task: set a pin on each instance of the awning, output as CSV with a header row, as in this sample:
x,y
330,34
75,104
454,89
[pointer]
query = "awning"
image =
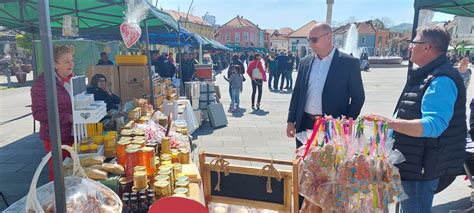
x,y
94,16
455,7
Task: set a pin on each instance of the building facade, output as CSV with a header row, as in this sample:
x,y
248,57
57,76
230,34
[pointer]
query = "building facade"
x,y
193,23
240,32
298,40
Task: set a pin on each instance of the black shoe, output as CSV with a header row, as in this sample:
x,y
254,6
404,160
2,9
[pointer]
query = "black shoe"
x,y
253,107
258,106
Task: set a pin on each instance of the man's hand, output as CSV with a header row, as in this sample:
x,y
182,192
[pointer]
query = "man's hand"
x,y
373,117
290,130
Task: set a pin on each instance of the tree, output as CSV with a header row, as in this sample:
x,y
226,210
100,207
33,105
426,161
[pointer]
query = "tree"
x,y
383,23
24,41
456,44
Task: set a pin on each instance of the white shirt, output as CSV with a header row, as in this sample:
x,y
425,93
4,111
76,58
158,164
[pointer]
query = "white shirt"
x,y
317,78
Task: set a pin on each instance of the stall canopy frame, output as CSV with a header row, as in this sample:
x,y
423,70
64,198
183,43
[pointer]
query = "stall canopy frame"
x,y
454,7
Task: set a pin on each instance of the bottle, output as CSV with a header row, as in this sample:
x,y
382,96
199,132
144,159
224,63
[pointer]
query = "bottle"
x,y
143,207
134,205
142,193
126,205
151,199
126,195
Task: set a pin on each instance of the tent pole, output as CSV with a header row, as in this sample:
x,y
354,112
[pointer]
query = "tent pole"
x,y
179,58
151,72
52,105
413,33
200,53
33,65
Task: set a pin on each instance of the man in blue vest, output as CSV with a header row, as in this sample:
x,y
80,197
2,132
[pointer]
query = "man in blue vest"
x,y
429,124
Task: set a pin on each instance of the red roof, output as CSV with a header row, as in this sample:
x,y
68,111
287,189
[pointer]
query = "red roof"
x,y
285,31
191,18
303,31
240,21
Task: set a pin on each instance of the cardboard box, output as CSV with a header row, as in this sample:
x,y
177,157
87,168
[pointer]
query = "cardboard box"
x,y
132,82
110,72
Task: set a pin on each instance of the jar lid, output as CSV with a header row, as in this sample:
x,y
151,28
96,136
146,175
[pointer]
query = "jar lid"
x,y
126,132
182,183
139,138
123,142
165,155
165,167
166,162
183,177
139,169
164,172
177,165
124,138
139,174
162,184
162,177
147,149
181,191
131,149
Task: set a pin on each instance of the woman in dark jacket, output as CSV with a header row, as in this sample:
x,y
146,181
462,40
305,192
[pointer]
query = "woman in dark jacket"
x,y
102,92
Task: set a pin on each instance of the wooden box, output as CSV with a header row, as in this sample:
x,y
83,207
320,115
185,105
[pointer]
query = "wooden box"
x,y
132,82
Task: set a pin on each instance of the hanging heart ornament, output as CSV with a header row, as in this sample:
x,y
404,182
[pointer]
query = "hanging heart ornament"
x,y
130,32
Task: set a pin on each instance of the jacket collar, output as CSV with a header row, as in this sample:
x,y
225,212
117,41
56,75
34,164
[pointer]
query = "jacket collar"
x,y
415,75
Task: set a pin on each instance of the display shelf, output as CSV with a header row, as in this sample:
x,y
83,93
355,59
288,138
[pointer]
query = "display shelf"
x,y
90,116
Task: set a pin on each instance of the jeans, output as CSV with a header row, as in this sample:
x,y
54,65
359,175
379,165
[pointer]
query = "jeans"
x,y
282,74
289,79
230,95
270,78
420,195
256,85
235,96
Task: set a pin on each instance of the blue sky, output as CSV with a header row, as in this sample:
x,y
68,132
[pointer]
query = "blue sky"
x,y
295,13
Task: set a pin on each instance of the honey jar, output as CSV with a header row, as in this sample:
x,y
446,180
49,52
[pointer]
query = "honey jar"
x,y
147,159
166,145
139,180
162,189
169,173
177,168
132,160
140,143
184,157
98,139
139,169
181,177
121,146
174,156
162,178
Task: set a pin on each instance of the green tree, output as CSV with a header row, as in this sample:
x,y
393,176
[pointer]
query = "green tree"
x,y
24,41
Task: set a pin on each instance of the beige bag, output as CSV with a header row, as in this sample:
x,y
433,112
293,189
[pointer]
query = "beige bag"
x,y
256,74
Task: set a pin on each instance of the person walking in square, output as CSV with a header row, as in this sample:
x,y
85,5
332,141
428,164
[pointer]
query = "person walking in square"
x,y
282,70
236,86
257,74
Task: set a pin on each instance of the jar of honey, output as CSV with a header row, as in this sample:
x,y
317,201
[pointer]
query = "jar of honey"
x,y
166,145
110,151
162,189
168,173
181,177
98,139
121,146
174,156
177,168
184,157
139,180
132,160
147,159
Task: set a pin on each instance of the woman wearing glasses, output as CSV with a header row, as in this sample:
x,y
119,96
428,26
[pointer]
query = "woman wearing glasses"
x,y
102,92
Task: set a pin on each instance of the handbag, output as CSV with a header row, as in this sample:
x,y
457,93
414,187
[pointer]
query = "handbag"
x,y
256,74
80,191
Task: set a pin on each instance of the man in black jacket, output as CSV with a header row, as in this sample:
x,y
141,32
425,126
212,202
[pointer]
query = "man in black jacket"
x,y
329,83
429,127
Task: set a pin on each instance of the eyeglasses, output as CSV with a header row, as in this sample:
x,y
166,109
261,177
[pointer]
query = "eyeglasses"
x,y
413,43
315,39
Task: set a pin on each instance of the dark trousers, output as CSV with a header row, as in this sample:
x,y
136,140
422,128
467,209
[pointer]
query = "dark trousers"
x,y
280,74
289,79
257,85
270,78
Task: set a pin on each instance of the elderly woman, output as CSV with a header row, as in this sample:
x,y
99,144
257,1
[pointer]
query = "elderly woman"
x,y
64,64
102,92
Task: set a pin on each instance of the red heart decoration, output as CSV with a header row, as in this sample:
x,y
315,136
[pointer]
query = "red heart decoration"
x,y
130,32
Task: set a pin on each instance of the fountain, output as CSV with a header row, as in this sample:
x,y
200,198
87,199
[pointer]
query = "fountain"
x,y
351,46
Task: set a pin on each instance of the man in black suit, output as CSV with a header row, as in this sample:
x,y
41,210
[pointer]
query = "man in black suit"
x,y
329,83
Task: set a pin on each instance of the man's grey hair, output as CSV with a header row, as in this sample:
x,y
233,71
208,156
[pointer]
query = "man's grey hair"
x,y
437,37
326,28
